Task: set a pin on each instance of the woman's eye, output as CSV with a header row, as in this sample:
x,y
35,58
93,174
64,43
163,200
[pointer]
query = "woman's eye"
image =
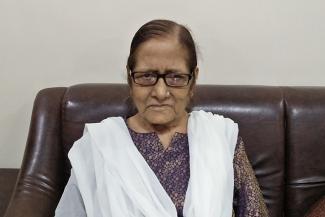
x,y
148,76
176,76
179,76
144,76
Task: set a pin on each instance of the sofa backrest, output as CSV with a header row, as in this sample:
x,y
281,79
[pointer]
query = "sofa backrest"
x,y
259,111
305,147
283,129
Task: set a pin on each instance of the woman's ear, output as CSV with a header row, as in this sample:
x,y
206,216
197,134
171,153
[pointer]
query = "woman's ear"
x,y
128,76
128,70
196,73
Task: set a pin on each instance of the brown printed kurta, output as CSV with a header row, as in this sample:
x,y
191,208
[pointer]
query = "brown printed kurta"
x,y
172,168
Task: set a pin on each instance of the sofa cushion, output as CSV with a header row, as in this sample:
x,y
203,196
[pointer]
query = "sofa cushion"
x,y
305,179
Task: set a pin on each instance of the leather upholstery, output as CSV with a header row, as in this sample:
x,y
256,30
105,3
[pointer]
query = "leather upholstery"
x,y
306,148
318,209
7,183
40,181
282,127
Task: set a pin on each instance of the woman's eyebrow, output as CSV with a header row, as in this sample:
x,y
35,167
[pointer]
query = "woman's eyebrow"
x,y
167,71
146,70
172,71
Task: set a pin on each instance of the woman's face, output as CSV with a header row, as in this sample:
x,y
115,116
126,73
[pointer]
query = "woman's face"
x,y
161,104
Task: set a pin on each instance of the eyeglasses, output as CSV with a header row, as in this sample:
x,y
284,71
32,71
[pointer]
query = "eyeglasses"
x,y
171,79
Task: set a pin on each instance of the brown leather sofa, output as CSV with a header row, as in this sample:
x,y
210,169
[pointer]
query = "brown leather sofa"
x,y
318,209
283,129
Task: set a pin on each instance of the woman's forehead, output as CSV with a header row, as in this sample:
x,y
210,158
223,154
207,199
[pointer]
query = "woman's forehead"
x,y
160,44
161,53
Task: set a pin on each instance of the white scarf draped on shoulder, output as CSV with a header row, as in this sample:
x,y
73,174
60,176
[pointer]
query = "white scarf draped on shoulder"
x,y
115,180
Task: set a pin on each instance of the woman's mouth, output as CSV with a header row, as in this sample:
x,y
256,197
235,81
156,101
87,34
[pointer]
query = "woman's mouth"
x,y
159,107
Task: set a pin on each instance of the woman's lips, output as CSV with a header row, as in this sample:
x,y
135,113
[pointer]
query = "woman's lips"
x,y
159,107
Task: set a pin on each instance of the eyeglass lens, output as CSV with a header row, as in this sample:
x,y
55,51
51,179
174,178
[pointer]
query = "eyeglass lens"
x,y
171,79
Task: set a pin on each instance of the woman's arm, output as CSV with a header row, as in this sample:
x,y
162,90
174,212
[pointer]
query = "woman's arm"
x,y
248,198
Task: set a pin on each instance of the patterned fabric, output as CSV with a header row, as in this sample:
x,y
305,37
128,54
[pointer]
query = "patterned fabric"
x,y
318,209
172,169
248,198
171,165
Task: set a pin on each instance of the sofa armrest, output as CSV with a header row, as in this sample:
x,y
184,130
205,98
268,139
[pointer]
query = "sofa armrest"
x,y
41,178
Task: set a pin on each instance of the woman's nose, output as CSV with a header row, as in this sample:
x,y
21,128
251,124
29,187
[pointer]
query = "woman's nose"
x,y
160,90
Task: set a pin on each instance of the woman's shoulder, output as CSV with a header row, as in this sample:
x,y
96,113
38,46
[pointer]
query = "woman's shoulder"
x,y
240,152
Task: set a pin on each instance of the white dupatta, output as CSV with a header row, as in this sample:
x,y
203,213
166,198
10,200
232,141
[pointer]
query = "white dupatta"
x,y
115,180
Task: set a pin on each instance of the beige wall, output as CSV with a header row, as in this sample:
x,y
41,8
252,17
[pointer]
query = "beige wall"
x,y
64,42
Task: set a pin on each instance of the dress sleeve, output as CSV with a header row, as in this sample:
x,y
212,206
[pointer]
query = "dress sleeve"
x,y
248,198
71,203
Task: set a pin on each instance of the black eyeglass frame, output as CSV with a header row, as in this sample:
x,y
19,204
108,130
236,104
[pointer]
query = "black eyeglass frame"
x,y
163,76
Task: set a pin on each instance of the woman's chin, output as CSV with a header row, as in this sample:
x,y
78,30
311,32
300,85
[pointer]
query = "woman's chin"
x,y
159,118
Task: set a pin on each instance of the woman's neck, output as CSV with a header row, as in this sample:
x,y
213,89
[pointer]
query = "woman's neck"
x,y
139,124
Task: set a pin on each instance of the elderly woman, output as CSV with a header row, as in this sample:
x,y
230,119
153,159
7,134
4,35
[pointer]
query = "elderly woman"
x,y
163,161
